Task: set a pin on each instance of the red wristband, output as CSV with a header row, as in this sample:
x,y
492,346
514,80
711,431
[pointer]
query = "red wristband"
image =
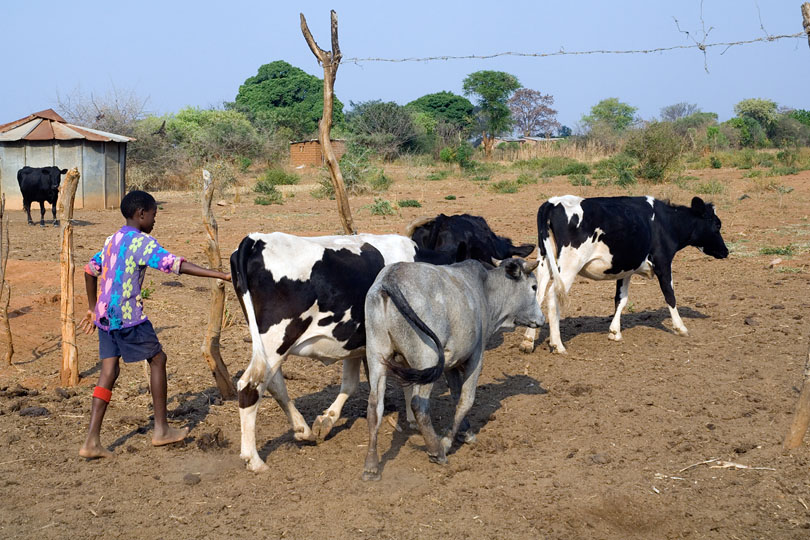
x,y
102,393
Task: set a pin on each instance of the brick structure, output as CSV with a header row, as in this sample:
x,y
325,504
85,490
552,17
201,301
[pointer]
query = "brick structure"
x,y
309,152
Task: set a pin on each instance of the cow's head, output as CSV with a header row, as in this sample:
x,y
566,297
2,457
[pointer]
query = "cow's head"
x,y
706,233
515,285
55,177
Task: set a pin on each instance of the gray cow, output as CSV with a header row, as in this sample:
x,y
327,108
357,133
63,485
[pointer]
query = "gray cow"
x,y
423,320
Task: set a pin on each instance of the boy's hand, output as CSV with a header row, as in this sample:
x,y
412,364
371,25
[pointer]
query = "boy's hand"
x,y
227,277
86,323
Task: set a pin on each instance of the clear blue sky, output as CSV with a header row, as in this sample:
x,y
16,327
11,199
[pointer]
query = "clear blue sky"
x,y
198,53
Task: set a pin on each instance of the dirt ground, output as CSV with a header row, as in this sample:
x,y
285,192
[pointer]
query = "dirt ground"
x,y
608,441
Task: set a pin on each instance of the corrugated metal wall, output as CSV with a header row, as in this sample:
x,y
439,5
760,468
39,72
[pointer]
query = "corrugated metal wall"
x,y
101,165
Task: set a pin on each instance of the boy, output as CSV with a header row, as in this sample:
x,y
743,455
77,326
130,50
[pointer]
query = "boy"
x,y
123,329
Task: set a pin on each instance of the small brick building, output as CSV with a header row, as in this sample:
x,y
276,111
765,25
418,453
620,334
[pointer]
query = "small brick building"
x,y
309,152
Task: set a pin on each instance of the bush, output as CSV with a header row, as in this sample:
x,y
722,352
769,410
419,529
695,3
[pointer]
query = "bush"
x,y
505,186
525,179
438,175
618,168
657,148
278,177
267,193
357,172
409,203
381,207
380,182
712,187
715,162
449,197
460,154
579,180
554,166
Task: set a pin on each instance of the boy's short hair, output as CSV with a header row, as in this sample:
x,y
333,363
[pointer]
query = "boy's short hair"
x,y
134,201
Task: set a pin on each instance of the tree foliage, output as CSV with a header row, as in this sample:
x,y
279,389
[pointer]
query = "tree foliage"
x,y
763,111
612,113
532,113
446,106
384,127
676,111
286,96
492,90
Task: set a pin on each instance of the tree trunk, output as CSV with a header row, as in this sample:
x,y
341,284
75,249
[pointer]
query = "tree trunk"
x,y
806,20
488,142
802,417
210,347
5,287
330,62
69,374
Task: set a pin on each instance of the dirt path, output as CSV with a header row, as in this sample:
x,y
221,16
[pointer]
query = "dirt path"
x,y
595,444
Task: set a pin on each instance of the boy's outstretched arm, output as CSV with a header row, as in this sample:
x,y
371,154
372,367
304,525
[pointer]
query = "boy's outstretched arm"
x,y
194,270
91,284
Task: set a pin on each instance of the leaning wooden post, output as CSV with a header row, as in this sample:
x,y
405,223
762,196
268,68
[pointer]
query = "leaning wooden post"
x,y
802,417
330,62
5,287
70,365
210,347
806,20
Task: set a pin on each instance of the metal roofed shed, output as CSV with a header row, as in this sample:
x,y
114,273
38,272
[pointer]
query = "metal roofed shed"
x,y
44,139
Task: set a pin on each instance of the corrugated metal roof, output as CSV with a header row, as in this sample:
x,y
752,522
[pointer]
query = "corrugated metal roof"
x,y
47,125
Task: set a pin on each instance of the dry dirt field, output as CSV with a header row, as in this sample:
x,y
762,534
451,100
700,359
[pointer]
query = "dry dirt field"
x,y
605,442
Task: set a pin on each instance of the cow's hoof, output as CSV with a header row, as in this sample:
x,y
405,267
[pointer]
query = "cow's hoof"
x,y
42,224
447,443
558,349
440,459
304,436
321,427
683,332
526,347
371,476
467,437
257,466
56,223
615,336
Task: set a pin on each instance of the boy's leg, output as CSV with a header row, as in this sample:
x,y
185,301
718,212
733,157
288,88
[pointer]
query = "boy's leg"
x,y
164,434
92,447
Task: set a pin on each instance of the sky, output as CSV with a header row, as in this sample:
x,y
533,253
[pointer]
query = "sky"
x,y
175,54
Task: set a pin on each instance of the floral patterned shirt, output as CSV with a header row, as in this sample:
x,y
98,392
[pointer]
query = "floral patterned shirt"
x,y
121,267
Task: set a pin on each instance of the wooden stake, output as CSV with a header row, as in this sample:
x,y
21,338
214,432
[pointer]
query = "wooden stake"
x,y
210,347
330,62
69,374
806,20
801,419
5,287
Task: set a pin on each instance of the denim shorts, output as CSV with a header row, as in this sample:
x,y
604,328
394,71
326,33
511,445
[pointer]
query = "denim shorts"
x,y
133,344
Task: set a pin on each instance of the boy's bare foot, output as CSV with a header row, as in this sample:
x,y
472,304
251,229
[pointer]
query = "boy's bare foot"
x,y
171,435
92,451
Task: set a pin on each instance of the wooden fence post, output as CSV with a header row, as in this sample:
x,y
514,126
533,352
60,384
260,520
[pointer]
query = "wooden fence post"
x,y
806,20
210,347
802,417
5,287
330,62
69,374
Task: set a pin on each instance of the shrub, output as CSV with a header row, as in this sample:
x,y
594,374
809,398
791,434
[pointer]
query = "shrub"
x,y
712,187
244,163
657,148
438,175
579,180
450,197
785,250
554,166
524,179
505,186
618,168
277,177
380,182
267,193
715,162
409,203
381,207
460,154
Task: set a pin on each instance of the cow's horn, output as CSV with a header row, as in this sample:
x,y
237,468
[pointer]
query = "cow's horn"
x,y
495,262
531,265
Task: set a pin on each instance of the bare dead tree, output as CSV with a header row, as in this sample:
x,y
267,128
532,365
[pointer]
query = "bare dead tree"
x,y
806,20
210,348
532,112
69,374
116,111
5,287
330,60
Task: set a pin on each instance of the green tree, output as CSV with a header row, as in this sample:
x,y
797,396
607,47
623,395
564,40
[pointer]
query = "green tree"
x,y
384,127
492,90
287,96
445,106
801,115
213,134
612,113
761,110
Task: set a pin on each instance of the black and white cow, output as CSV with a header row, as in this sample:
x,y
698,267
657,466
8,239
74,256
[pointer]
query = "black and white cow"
x,y
40,184
305,296
613,238
445,232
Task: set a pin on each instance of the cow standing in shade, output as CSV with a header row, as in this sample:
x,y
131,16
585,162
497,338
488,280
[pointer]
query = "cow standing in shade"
x,y
40,185
305,296
613,238
424,320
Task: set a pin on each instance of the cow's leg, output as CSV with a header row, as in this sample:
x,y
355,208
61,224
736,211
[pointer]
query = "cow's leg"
x,y
569,268
622,288
454,381
27,208
351,377
41,213
374,415
543,277
665,281
249,397
409,416
53,211
420,403
278,389
472,370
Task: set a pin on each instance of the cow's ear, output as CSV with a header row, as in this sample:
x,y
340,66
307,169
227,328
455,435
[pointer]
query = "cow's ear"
x,y
698,206
513,268
63,171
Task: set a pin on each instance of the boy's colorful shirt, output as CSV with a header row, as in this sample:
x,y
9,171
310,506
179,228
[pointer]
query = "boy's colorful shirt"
x,y
120,267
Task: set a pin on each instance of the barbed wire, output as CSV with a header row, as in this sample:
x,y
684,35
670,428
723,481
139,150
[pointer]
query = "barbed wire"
x,y
562,52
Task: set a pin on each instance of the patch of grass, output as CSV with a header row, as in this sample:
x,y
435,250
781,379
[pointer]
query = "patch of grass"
x,y
505,186
409,203
267,194
715,162
449,197
554,166
276,177
380,182
524,179
480,178
787,250
438,175
785,170
754,173
619,168
685,181
789,270
712,187
381,207
579,180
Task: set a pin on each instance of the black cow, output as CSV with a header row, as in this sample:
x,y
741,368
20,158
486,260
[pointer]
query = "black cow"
x,y
613,238
446,232
40,184
305,296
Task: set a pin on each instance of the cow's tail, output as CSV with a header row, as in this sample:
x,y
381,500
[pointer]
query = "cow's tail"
x,y
410,375
548,249
256,370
